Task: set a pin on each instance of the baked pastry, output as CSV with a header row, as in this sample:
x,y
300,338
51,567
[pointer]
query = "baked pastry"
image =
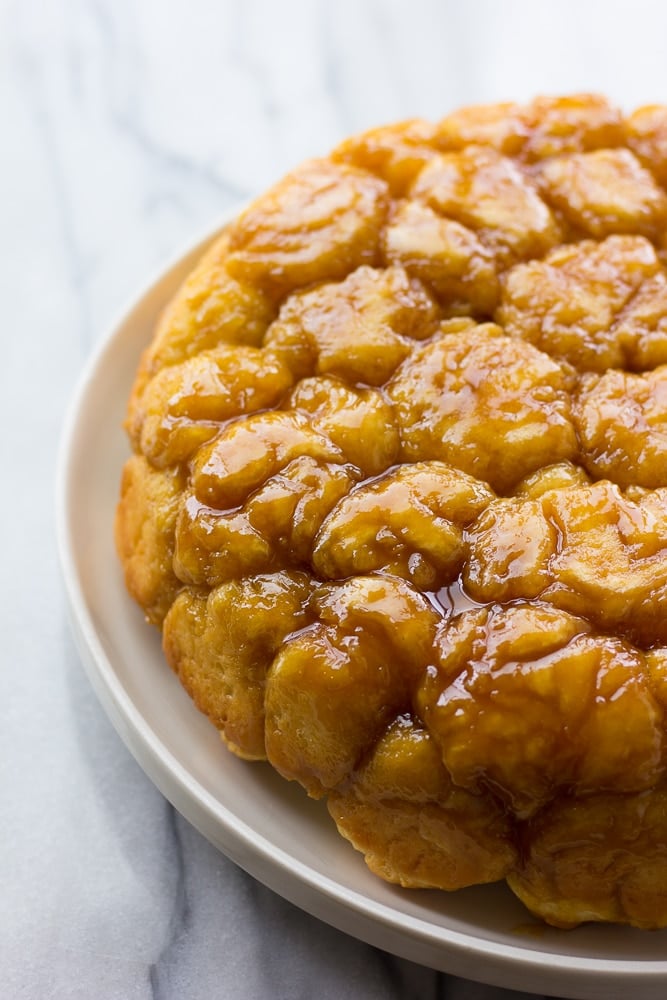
x,y
398,498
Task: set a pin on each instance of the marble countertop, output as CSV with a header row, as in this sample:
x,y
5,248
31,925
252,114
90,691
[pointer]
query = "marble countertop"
x,y
128,126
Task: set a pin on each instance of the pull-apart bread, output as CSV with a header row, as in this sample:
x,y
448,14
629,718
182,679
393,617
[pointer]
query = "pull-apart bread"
x,y
398,498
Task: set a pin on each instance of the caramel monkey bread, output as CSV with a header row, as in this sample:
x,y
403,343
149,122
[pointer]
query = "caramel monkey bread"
x,y
398,498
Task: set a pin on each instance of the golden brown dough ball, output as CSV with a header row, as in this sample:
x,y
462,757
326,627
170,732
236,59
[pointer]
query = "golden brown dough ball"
x,y
489,194
600,858
359,329
525,701
604,192
186,404
589,549
145,527
211,308
408,522
415,827
357,420
447,256
247,452
276,526
221,645
497,408
396,153
333,688
621,420
595,305
647,138
547,126
322,222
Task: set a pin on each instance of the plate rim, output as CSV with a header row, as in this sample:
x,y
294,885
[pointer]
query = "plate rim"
x,y
505,965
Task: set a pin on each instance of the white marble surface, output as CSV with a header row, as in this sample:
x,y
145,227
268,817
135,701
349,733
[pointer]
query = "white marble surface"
x,y
126,127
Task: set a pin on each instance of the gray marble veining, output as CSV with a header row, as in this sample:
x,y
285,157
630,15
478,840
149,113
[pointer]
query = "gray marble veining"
x,y
127,128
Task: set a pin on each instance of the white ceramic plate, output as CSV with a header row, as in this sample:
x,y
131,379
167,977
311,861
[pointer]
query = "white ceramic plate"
x,y
266,825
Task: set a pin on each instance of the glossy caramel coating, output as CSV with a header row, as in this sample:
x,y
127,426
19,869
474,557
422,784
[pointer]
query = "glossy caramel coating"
x,y
490,195
248,452
588,549
334,687
621,419
524,700
358,420
448,257
275,527
497,427
408,522
359,329
398,497
185,404
604,192
322,222
595,305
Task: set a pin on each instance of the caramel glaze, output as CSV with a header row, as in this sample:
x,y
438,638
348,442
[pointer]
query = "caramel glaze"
x,y
399,498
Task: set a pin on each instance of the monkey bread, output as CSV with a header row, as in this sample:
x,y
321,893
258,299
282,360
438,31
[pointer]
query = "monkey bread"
x,y
398,498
